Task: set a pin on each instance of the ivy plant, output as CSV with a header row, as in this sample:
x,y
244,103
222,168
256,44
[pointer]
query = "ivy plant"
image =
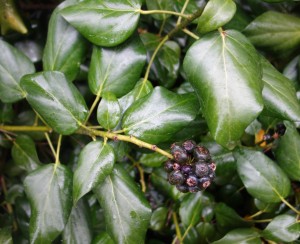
x,y
99,98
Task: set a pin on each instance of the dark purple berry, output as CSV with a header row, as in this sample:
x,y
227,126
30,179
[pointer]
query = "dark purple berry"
x,y
189,146
204,182
176,177
186,169
211,175
191,180
181,156
201,154
194,189
280,129
182,188
212,166
168,167
175,147
201,169
176,166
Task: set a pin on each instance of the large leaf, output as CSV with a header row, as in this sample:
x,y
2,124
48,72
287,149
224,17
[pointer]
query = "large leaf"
x,y
278,229
237,236
5,236
216,14
104,22
49,190
158,218
24,153
279,94
116,69
13,65
127,212
57,100
155,117
95,163
79,226
287,152
224,69
65,47
275,31
262,178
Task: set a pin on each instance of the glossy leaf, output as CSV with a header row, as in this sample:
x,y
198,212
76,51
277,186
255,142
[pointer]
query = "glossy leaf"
x,y
104,22
160,5
103,238
279,94
5,236
226,78
261,175
159,218
56,100
152,159
116,69
287,152
155,117
13,65
278,229
237,236
278,32
206,232
49,190
216,14
24,153
127,212
65,47
109,111
78,228
95,163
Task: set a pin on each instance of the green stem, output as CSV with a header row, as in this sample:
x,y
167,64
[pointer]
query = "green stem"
x,y
289,205
178,233
145,12
186,232
182,11
25,128
94,105
50,144
58,150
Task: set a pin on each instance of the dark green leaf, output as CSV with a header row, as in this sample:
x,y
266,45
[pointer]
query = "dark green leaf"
x,y
266,207
262,178
104,22
49,190
6,112
278,229
24,153
160,5
13,65
65,47
226,77
95,163
103,238
57,100
287,152
78,228
127,212
155,117
206,232
23,213
216,14
279,94
237,236
5,236
152,159
278,32
158,219
116,69
109,111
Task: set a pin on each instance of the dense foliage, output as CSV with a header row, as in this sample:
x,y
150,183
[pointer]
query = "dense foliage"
x,y
91,105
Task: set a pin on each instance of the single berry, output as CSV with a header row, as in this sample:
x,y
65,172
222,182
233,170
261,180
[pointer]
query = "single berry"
x,y
189,145
182,188
280,129
194,189
176,166
168,167
212,166
211,174
175,147
186,169
201,169
204,183
181,156
192,180
201,154
176,177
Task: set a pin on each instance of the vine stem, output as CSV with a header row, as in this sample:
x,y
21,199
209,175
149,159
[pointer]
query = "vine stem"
x,y
249,218
182,11
57,162
178,233
145,12
50,144
289,205
25,128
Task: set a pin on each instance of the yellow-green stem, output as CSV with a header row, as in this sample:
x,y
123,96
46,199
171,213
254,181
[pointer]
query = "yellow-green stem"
x,y
178,233
25,128
186,232
57,162
182,11
289,205
50,144
163,12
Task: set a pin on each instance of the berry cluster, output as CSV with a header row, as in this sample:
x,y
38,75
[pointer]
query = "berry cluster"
x,y
192,169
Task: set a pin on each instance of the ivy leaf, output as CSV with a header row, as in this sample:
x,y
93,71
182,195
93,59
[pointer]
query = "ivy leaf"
x,y
287,152
152,159
78,228
158,218
109,111
104,22
261,175
274,31
224,69
279,94
5,236
127,212
278,229
242,235
57,100
95,163
103,238
116,69
154,124
49,190
65,47
24,153
13,65
216,14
